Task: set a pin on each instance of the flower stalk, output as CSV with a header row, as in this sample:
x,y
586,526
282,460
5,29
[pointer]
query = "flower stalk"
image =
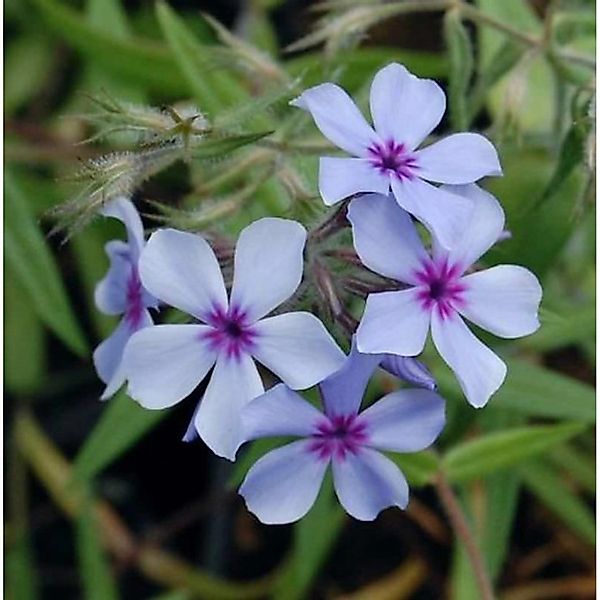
x,y
463,532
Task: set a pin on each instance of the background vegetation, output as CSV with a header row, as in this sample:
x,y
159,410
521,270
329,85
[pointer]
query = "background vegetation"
x,y
103,500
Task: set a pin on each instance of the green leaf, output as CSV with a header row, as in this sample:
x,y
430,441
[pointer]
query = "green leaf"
x,y
497,451
122,424
576,325
549,487
212,87
463,584
30,259
507,56
28,64
96,576
502,494
492,532
20,571
461,63
577,465
539,231
212,148
140,61
530,390
531,84
314,537
92,264
536,391
419,468
109,15
570,157
25,364
361,64
515,13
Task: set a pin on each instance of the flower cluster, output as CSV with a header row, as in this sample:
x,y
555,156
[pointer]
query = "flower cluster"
x,y
245,321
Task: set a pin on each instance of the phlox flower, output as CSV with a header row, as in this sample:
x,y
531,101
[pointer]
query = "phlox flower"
x,y
282,486
405,110
166,362
121,293
503,299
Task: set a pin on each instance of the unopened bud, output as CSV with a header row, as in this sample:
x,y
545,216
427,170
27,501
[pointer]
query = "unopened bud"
x,y
410,370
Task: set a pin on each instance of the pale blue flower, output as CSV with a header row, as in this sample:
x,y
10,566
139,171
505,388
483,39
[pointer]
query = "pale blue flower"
x,y
503,299
405,110
282,486
121,293
165,363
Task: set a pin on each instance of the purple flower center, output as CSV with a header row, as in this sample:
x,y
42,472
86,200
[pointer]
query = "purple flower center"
x,y
337,436
134,300
231,332
441,288
393,158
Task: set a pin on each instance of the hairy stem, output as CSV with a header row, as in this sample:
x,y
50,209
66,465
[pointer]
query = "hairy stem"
x,y
463,532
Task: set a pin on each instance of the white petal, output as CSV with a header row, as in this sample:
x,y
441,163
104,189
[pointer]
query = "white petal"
x,y
268,265
367,482
504,300
385,238
459,158
337,117
481,229
110,294
405,108
297,348
165,363
393,323
283,485
343,391
343,177
279,411
181,270
234,382
479,371
405,421
123,209
443,213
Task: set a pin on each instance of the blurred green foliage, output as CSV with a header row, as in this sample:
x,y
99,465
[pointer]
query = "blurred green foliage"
x,y
526,79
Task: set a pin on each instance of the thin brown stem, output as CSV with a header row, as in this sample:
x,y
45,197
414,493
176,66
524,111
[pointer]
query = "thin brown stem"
x,y
463,532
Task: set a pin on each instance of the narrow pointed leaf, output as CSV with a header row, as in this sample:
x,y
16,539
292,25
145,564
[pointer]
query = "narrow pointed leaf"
x,y
32,263
419,468
314,537
121,425
460,58
96,577
549,487
497,451
534,391
100,47
211,86
25,364
212,148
